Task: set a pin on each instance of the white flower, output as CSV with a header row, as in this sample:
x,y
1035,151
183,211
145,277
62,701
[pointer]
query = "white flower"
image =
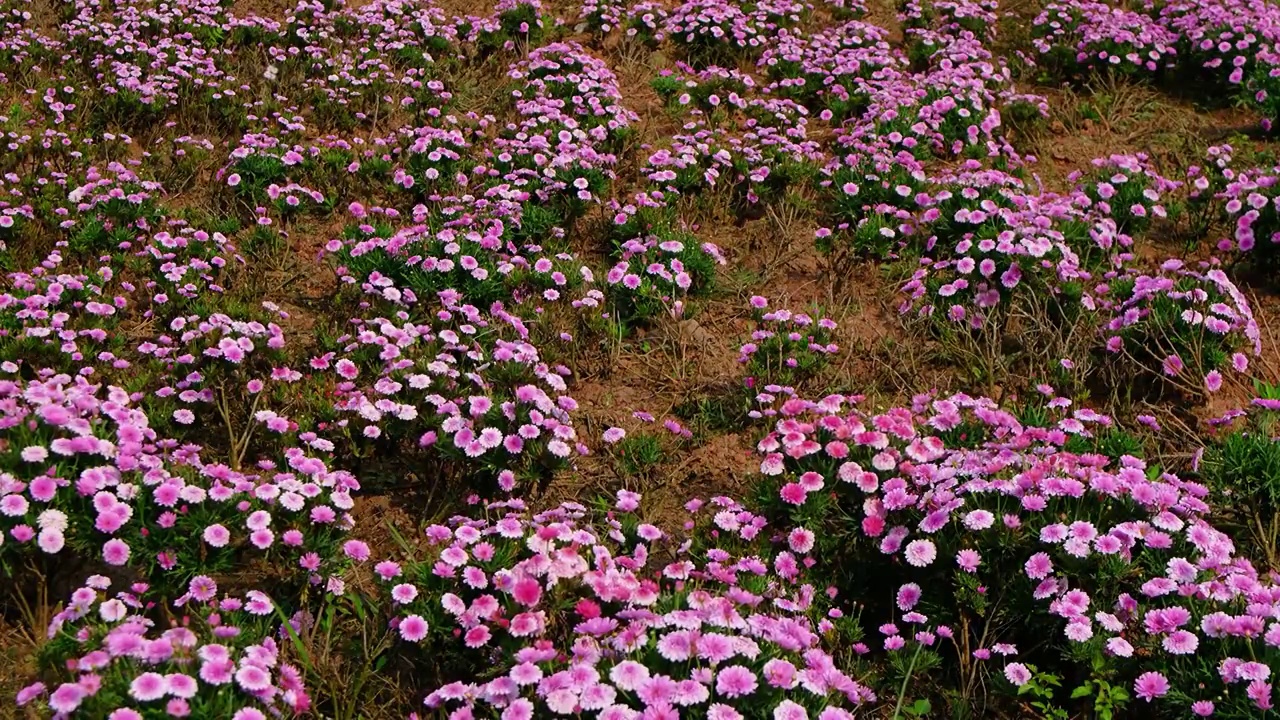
x,y
52,520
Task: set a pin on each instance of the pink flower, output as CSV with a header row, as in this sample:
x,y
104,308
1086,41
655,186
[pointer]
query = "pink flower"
x,y
217,672
1181,642
794,493
720,711
527,591
404,593
801,540
115,552
66,698
148,686
217,536
780,673
347,369
477,636
521,709
908,596
628,501
253,678
181,686
921,553
1119,647
1260,693
1038,566
413,628
1151,685
736,681
1017,673
1213,381
788,710
629,675
356,550
30,692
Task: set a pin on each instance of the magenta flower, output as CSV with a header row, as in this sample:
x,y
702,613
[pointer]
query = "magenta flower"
x,y
148,686
413,628
253,678
908,596
356,550
735,681
968,560
1213,381
1151,685
66,698
115,552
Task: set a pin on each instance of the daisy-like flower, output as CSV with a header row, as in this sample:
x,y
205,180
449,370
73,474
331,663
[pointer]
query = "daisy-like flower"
x,y
149,686
413,628
1151,685
735,681
801,540
908,596
920,553
253,678
1213,381
1017,673
968,560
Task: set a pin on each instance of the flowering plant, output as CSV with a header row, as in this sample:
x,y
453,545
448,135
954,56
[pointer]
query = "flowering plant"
x,y
714,631
1077,36
654,274
214,657
1184,326
786,347
917,516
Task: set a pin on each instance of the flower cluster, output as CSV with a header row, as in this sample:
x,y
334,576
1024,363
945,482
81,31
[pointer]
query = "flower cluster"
x,y
654,274
216,655
1073,37
732,636
959,488
786,347
1183,324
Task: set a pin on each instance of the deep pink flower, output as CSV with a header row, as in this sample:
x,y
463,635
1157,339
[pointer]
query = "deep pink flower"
x,y
413,628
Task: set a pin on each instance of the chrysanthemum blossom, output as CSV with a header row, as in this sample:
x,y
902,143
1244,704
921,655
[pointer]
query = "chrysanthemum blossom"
x,y
1150,685
920,553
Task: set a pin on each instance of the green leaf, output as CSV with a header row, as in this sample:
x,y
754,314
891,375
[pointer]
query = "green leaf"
x,y
920,707
1084,690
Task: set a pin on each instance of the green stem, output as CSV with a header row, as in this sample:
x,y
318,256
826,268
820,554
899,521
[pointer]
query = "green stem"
x,y
902,691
